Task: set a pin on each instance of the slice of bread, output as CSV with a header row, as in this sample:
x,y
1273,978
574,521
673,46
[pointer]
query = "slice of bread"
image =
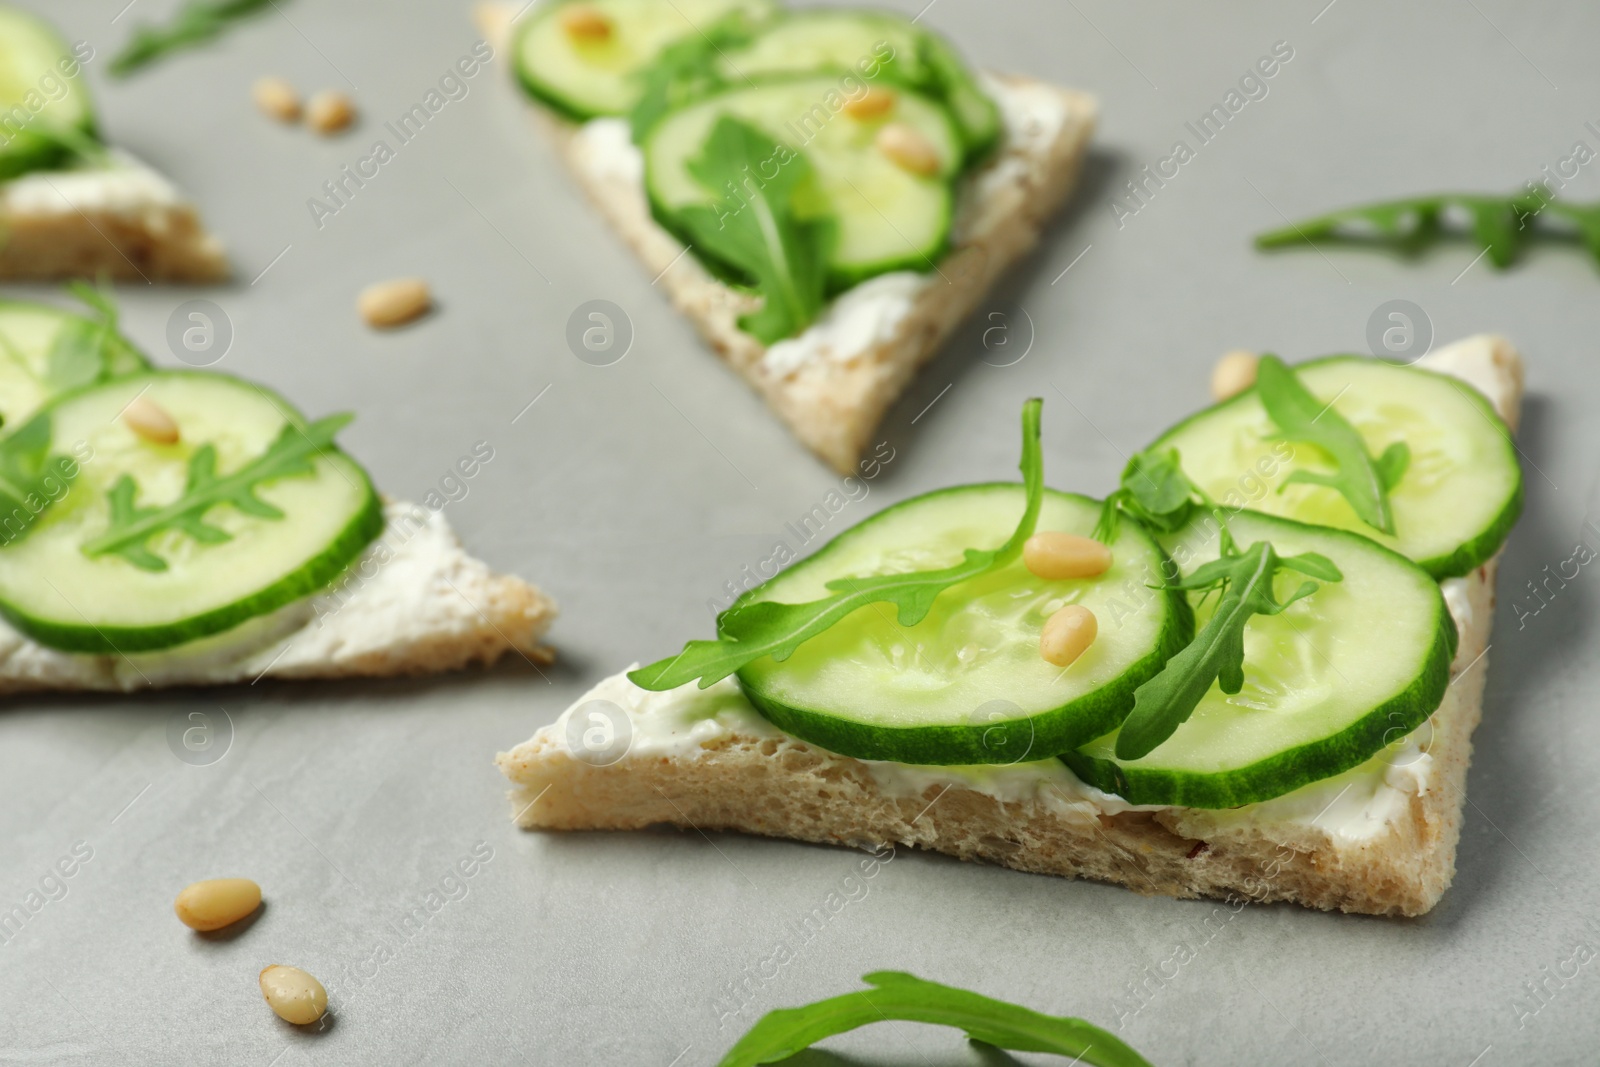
x,y
121,220
1379,840
414,603
834,386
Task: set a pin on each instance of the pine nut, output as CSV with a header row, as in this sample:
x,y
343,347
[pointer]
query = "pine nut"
x,y
217,902
1052,554
1068,634
908,149
1233,374
150,421
586,24
277,99
394,303
872,104
330,111
293,994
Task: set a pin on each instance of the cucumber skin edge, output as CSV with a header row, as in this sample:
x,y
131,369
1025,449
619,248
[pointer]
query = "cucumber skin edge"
x,y
1295,768
1465,557
963,745
317,573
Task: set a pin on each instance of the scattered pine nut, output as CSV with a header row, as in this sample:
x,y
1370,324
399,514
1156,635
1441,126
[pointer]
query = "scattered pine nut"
x,y
908,149
150,420
1068,634
1052,554
1234,373
330,112
394,303
217,902
872,104
277,99
585,23
293,994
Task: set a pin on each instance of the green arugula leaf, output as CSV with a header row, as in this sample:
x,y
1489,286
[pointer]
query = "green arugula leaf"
x,y
755,227
686,70
896,995
71,142
292,453
1244,580
1304,419
197,22
1155,491
85,350
767,628
1501,224
31,478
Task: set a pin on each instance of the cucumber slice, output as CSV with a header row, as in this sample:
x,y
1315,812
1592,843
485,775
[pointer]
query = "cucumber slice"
x,y
54,591
587,77
1453,508
967,685
888,218
1331,681
45,351
868,46
40,107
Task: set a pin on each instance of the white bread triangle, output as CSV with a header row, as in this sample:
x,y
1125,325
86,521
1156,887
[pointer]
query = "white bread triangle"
x,y
122,221
834,404
740,773
414,603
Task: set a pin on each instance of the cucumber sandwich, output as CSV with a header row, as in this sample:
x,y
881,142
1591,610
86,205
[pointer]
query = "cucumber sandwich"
x,y
70,206
164,527
1252,671
826,193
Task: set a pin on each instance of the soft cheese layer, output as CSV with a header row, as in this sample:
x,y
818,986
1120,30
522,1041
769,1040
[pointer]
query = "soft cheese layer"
x,y
413,578
1352,807
124,186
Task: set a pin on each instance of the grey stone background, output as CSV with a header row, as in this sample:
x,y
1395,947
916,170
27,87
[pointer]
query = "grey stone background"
x,y
633,491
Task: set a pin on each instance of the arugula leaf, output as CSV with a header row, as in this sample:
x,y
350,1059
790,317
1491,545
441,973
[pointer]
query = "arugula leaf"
x,y
197,22
291,454
767,628
755,226
1501,224
896,995
85,350
31,478
1304,419
1155,491
1244,580
70,141
687,69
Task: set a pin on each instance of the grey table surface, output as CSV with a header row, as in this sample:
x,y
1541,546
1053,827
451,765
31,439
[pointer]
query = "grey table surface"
x,y
632,492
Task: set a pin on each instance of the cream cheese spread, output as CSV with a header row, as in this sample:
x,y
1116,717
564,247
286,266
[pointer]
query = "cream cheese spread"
x,y
408,580
124,186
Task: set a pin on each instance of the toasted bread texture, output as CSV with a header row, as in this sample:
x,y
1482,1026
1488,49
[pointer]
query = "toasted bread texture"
x,y
834,395
1382,844
122,221
414,603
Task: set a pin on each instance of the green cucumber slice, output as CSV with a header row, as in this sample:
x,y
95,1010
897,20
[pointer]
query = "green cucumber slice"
x,y
862,47
1331,681
45,351
585,79
42,110
55,592
1453,508
967,685
888,218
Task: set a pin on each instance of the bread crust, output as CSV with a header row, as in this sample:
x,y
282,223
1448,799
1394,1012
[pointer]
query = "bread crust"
x,y
834,405
101,244
780,786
